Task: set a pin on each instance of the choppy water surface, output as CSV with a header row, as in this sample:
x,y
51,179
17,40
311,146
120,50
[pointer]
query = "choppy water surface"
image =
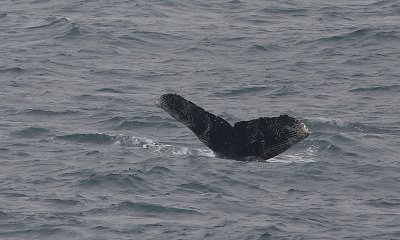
x,y
85,154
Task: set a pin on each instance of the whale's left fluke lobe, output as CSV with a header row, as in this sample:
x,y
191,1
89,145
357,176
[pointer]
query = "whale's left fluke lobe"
x,y
213,131
263,137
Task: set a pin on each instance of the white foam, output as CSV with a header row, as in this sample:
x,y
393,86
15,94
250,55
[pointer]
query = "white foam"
x,y
331,121
154,146
302,157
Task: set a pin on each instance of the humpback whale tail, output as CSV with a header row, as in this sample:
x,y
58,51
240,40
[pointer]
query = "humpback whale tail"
x,y
264,137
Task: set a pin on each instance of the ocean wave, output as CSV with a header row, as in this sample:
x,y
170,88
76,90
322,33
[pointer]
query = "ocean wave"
x,y
123,123
242,90
40,1
64,202
108,90
115,180
32,132
376,89
143,208
331,124
101,97
285,11
88,97
158,170
126,231
129,125
133,39
361,36
385,202
62,27
256,19
193,50
113,120
386,3
73,31
94,138
4,215
35,233
155,39
14,70
273,92
112,72
233,39
52,21
356,34
284,91
263,48
199,187
48,112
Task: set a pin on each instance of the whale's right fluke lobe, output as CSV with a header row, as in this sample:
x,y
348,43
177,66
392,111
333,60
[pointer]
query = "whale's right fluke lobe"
x,y
267,137
213,131
264,137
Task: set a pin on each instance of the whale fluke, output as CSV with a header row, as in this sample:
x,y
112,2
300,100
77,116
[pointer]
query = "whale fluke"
x,y
264,137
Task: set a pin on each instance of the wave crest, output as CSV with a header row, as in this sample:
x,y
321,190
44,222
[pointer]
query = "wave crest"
x,y
63,27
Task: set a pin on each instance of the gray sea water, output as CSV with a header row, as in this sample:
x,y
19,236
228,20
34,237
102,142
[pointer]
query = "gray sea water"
x,y
85,154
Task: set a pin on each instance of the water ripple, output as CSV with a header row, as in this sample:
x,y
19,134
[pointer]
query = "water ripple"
x,y
108,90
330,124
49,112
115,180
96,138
144,208
377,89
385,202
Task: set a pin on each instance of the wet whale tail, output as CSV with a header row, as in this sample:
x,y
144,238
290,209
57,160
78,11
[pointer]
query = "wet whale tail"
x,y
264,137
